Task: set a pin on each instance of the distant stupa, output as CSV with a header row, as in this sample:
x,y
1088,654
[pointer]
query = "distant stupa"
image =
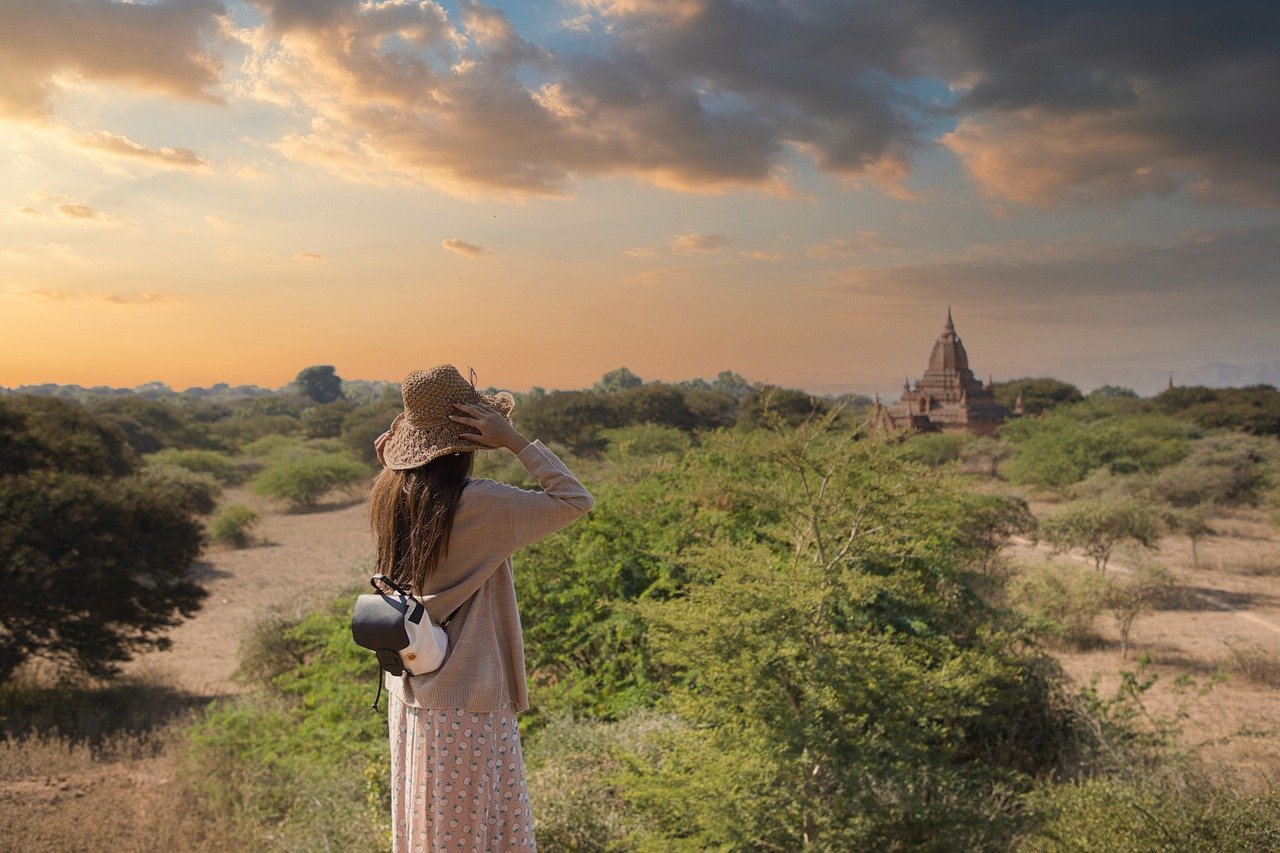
x,y
949,398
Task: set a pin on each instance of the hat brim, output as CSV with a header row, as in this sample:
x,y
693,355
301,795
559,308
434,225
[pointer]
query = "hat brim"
x,y
413,445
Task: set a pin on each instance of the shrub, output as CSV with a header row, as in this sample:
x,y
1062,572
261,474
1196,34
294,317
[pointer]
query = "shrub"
x,y
1066,597
645,441
934,448
1099,526
199,493
1130,596
232,526
216,465
1255,663
303,480
1153,814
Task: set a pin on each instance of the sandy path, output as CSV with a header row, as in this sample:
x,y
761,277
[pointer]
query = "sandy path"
x,y
311,557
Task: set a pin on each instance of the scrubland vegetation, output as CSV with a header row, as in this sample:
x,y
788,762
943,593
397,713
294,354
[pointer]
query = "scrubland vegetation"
x,y
775,631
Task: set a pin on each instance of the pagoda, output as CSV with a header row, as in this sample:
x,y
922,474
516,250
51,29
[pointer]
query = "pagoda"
x,y
949,398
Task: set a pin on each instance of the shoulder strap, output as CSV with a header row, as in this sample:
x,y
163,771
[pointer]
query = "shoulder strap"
x,y
416,616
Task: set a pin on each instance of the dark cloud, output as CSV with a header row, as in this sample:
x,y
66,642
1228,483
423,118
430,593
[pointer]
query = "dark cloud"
x,y
1056,102
1239,266
154,46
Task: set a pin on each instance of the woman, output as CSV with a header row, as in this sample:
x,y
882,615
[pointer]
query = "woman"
x,y
457,771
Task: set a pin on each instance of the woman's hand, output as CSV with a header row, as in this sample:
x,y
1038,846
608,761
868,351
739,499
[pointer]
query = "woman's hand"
x,y
489,427
377,446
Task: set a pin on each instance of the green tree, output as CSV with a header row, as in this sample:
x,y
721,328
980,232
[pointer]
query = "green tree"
x,y
319,382
96,561
1097,526
1038,395
1111,392
840,687
619,379
1191,522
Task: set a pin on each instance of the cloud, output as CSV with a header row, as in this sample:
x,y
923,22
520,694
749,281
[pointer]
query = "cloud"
x,y
28,210
122,146
309,256
862,243
766,256
1223,269
1053,103
684,244
467,250
220,224
115,297
78,211
151,46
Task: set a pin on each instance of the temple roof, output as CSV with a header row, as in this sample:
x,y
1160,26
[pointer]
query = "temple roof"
x,y
948,352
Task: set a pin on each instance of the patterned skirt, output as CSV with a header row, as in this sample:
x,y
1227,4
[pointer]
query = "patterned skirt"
x,y
457,780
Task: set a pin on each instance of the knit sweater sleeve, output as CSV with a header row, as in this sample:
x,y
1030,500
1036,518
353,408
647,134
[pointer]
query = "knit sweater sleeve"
x,y
537,514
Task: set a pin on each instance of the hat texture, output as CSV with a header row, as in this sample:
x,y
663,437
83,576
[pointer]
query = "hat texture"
x,y
423,431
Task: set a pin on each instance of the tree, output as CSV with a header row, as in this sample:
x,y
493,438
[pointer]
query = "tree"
x,y
96,560
619,379
1134,595
1098,526
1113,392
1038,395
986,453
319,382
1191,522
836,684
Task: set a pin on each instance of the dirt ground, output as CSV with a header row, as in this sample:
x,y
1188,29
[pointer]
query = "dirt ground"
x,y
1234,605
307,558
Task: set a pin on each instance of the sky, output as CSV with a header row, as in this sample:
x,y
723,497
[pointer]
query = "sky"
x,y
202,191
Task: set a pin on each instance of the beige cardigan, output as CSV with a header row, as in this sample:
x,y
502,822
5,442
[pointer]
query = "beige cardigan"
x,y
484,668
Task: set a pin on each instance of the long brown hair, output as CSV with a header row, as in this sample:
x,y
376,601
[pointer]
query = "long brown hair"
x,y
411,516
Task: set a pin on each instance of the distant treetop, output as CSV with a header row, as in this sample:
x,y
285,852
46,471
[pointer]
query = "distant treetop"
x,y
319,382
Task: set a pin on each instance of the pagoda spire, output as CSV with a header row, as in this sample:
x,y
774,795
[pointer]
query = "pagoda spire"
x,y
951,326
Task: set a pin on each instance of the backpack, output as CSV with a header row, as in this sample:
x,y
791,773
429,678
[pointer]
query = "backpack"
x,y
396,627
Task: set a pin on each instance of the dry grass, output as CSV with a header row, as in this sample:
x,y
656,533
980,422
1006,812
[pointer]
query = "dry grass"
x,y
91,767
1255,664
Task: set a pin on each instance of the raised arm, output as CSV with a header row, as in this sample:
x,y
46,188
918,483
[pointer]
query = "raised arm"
x,y
533,514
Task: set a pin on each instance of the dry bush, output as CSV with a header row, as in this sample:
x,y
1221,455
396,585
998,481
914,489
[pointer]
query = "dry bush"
x,y
1255,664
1067,597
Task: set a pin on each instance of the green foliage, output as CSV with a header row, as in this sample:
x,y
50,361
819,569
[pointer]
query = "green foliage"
x,y
792,405
1097,526
217,465
641,442
1166,813
197,493
1224,469
1066,599
95,561
619,379
48,434
1114,392
1042,394
1255,409
1063,448
790,655
95,568
1130,596
325,421
291,760
304,479
985,454
319,382
934,448
361,426
149,425
232,527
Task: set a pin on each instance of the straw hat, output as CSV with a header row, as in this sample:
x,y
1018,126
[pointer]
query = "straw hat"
x,y
423,431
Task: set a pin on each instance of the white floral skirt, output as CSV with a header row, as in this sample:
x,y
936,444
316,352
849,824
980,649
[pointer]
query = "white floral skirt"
x,y
457,780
